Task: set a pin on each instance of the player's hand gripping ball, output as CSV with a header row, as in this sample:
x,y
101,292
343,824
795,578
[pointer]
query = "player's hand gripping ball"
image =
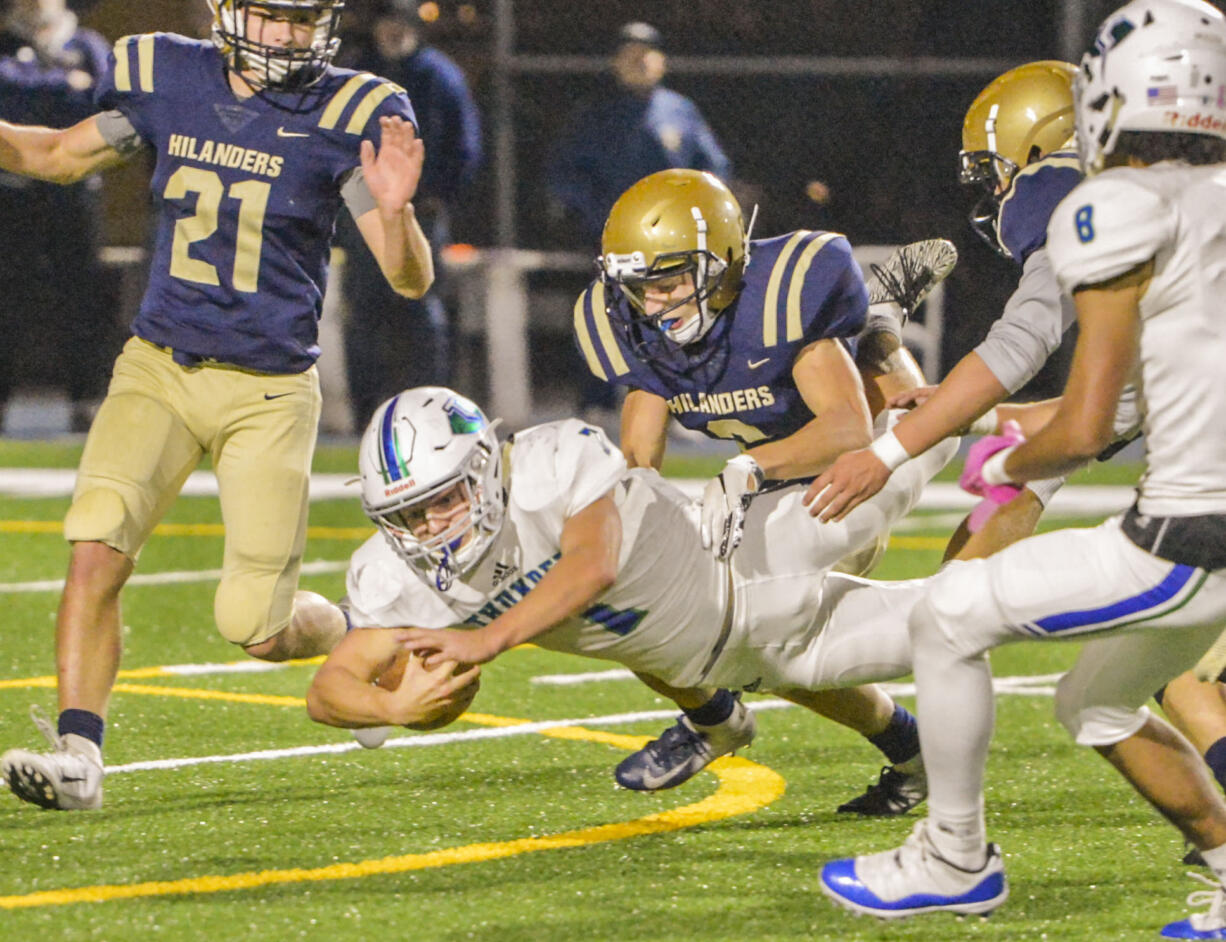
x,y
441,702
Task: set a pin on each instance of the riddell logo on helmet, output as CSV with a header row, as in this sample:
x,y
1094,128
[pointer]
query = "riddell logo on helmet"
x,y
402,486
1196,122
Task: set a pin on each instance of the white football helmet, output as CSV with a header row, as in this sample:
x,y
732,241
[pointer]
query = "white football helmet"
x,y
1155,65
269,66
418,445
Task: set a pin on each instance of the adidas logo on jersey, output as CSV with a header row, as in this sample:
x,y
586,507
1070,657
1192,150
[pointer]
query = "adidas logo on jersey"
x,y
503,571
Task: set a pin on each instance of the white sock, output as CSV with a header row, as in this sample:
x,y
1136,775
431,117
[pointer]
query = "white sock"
x,y
1216,859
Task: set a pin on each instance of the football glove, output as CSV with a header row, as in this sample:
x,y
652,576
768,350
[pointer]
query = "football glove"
x,y
724,501
972,480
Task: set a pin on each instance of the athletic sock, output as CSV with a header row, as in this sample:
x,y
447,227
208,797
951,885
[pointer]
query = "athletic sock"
x,y
714,711
900,739
82,723
1215,859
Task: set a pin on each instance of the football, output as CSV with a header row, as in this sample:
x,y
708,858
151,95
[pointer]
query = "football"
x,y
392,675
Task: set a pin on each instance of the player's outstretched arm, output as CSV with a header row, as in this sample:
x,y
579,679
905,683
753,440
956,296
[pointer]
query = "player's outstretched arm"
x,y
344,691
644,429
58,156
391,229
968,392
590,543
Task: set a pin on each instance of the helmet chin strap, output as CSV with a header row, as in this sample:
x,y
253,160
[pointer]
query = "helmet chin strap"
x,y
445,575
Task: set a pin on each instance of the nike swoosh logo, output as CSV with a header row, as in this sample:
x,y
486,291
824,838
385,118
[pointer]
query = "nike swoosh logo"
x,y
754,364
277,396
281,132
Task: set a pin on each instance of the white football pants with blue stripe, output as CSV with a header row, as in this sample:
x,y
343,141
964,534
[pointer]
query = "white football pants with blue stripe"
x,y
1149,620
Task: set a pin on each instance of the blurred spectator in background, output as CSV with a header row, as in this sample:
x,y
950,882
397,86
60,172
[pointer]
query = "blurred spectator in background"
x,y
50,276
636,128
390,341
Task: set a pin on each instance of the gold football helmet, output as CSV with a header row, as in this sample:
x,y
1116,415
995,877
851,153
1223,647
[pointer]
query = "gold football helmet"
x,y
1022,116
671,223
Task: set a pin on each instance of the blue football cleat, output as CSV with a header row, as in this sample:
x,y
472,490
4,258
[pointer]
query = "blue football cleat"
x,y
914,879
1207,925
683,750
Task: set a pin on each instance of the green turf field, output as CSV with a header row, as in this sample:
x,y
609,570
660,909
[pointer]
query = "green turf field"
x,y
485,831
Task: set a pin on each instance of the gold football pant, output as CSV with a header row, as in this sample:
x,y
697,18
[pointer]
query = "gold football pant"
x,y
157,422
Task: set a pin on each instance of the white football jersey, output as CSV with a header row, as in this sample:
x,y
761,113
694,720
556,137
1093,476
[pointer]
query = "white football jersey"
x,y
1175,214
662,616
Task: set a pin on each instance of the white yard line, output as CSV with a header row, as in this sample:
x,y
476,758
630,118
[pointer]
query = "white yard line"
x,y
1040,685
1082,499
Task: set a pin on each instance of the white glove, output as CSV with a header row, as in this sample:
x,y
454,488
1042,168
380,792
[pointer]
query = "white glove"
x,y
724,500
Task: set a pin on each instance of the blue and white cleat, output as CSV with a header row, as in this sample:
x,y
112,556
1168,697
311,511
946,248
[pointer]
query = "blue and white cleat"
x,y
1207,925
683,750
914,879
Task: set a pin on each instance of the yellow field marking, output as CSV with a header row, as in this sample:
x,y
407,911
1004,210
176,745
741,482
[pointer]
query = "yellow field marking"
x,y
744,787
187,529
918,542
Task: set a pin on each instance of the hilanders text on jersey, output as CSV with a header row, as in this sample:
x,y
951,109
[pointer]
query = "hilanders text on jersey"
x,y
220,154
724,403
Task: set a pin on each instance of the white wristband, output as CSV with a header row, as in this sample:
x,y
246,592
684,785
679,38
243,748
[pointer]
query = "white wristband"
x,y
993,470
986,424
889,449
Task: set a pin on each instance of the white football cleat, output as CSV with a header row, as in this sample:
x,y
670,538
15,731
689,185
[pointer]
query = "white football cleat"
x,y
910,274
915,879
372,737
1206,925
67,779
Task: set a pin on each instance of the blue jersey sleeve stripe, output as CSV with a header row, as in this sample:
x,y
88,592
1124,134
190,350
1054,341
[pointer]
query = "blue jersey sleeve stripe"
x,y
796,327
144,57
584,337
123,68
770,313
340,101
374,98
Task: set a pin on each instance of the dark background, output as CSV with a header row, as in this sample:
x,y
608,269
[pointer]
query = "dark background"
x,y
885,140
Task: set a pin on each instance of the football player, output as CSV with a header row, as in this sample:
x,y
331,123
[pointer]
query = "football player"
x,y
257,139
1139,247
550,538
756,343
1018,146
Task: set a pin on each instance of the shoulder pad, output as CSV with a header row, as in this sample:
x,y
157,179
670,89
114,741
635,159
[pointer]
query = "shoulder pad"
x,y
134,57
352,106
804,268
1027,207
1107,226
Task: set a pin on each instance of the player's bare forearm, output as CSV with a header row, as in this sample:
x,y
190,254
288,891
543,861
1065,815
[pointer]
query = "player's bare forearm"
x,y
407,262
644,429
810,450
591,543
1030,416
57,156
970,390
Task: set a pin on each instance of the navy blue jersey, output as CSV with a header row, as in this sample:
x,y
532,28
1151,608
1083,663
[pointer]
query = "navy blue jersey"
x,y
1028,205
797,288
246,193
